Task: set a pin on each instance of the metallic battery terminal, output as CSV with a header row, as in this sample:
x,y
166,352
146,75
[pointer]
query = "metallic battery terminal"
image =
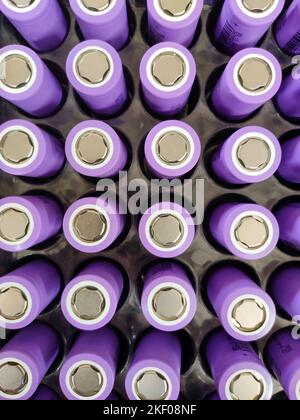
x,y
152,386
252,232
92,147
90,226
167,230
21,4
16,147
246,387
13,303
14,225
254,154
255,75
96,5
86,380
93,67
15,71
169,304
13,378
249,315
173,148
175,8
168,69
258,6
88,303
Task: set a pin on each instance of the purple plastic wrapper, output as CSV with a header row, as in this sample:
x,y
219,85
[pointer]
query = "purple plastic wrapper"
x,y
283,354
231,100
213,397
115,160
34,348
289,168
239,28
44,394
287,30
287,97
157,165
42,95
42,24
167,100
288,218
47,157
98,349
157,352
43,217
165,27
229,359
105,278
227,287
227,165
113,397
109,25
163,277
108,96
40,282
226,219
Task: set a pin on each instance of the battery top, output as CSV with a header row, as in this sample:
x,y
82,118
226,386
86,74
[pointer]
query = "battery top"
x,y
246,387
168,69
88,303
173,148
14,225
86,380
249,315
254,154
13,303
13,378
93,66
21,4
152,386
16,147
255,75
167,230
15,71
252,232
90,226
258,6
175,8
92,147
169,304
96,5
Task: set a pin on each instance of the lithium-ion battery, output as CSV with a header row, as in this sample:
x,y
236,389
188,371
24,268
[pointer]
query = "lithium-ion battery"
x,y
287,97
289,169
288,217
287,30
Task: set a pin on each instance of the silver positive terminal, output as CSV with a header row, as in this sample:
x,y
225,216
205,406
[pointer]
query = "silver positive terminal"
x,y
252,232
13,303
92,148
167,230
255,75
90,226
86,380
14,225
249,315
168,69
246,387
152,386
169,304
21,4
15,71
258,6
93,67
173,148
13,378
88,303
175,8
16,147
254,154
96,5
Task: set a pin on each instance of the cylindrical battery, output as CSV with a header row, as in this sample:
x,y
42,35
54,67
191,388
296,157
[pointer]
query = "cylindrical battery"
x,y
287,97
247,231
173,20
93,224
245,310
25,360
250,155
251,78
283,354
154,373
287,30
26,82
167,230
94,149
237,369
172,149
242,23
168,300
41,22
28,150
44,393
289,169
90,300
89,370
26,292
167,74
94,69
105,20
288,218
27,221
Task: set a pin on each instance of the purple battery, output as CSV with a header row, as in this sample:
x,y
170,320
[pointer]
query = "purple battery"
x,y
289,169
28,221
245,310
90,300
237,369
283,354
167,230
41,22
94,69
172,149
169,300
28,150
44,394
287,97
167,72
174,21
26,82
154,373
94,149
105,20
250,155
287,30
251,78
26,292
25,360
247,231
288,218
90,368
242,23
92,224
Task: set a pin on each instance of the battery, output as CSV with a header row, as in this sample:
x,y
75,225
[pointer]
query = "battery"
x,y
26,292
27,221
242,23
44,393
28,150
167,230
92,224
289,169
283,354
168,300
173,20
95,70
89,370
246,311
251,78
167,73
90,300
250,155
172,149
104,20
287,29
25,359
286,99
154,372
41,22
239,373
26,82
288,217
94,149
